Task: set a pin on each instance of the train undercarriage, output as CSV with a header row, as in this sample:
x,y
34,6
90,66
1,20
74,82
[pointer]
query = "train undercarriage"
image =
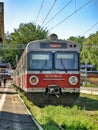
x,y
42,99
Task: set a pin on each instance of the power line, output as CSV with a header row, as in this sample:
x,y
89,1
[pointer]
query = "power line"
x,y
39,11
49,12
90,28
75,5
58,12
71,15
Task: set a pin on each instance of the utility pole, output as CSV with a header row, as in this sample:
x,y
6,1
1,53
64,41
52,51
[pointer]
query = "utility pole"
x,y
1,22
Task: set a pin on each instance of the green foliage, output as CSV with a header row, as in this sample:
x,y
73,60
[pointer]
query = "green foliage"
x,y
10,56
89,53
24,34
88,84
70,118
78,39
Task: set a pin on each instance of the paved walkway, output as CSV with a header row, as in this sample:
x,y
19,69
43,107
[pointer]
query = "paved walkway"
x,y
89,90
13,114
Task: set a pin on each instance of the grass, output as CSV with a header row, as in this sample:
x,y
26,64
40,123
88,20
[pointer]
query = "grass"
x,y
88,84
89,102
69,118
83,115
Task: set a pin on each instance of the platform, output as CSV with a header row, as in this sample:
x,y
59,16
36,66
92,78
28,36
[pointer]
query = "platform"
x,y
13,114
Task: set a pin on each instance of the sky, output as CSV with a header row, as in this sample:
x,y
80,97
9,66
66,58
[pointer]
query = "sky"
x,y
77,18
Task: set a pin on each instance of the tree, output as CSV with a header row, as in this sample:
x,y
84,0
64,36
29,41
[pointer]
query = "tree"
x,y
78,39
89,53
25,33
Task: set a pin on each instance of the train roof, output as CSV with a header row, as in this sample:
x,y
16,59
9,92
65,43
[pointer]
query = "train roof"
x,y
36,44
46,40
52,38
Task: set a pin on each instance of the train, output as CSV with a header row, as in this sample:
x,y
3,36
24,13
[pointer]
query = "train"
x,y
49,71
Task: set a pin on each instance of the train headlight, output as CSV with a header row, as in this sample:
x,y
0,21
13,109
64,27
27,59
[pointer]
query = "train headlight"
x,y
34,80
53,37
73,80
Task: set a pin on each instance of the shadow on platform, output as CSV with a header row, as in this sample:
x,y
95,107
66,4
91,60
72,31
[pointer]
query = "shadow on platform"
x,y
12,121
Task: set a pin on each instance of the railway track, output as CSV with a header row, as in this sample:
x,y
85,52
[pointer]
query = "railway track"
x,y
13,113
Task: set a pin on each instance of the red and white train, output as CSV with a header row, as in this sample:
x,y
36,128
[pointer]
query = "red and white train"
x,y
49,70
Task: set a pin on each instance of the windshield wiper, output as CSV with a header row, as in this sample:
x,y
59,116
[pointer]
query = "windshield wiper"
x,y
62,63
44,65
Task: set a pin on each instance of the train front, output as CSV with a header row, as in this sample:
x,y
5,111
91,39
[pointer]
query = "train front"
x,y
53,71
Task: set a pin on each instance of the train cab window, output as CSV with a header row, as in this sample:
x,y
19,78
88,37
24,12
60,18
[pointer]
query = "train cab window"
x,y
40,60
66,60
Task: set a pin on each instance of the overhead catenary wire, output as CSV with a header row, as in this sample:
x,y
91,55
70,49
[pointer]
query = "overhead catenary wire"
x,y
74,12
75,5
49,12
90,28
39,11
58,12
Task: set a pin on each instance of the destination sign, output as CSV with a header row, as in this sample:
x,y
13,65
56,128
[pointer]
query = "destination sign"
x,y
53,45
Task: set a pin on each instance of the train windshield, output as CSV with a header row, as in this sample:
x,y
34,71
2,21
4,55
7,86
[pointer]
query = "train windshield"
x,y
40,60
57,61
66,60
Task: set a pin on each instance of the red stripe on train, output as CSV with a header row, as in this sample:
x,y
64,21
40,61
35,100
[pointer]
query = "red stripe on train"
x,y
61,80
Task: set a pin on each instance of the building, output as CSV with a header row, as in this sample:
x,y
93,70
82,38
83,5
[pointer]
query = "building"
x,y
5,71
1,22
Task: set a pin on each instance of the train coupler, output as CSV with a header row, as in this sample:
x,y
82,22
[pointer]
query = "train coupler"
x,y
53,89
